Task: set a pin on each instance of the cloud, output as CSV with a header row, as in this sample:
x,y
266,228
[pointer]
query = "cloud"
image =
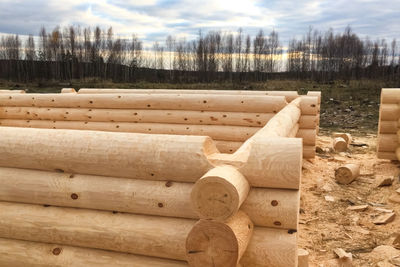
x,y
154,20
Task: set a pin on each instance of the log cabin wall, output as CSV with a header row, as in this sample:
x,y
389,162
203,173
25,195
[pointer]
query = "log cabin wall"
x,y
388,129
101,198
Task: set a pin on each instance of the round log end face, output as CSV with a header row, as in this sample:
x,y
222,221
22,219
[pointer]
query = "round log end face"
x,y
343,175
339,144
212,243
215,198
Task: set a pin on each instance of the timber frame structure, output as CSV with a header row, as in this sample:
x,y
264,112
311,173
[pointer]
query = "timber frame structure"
x,y
389,125
122,177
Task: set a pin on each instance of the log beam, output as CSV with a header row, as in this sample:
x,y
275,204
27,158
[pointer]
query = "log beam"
x,y
234,103
128,155
266,207
219,244
219,194
19,253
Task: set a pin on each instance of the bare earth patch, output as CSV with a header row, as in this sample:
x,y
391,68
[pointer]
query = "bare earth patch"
x,y
327,224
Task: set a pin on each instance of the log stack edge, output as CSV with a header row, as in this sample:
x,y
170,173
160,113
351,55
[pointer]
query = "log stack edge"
x,y
389,125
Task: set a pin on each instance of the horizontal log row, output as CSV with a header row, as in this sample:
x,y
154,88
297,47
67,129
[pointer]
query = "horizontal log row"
x,y
138,234
216,132
273,163
205,102
290,95
231,147
147,116
20,253
390,96
266,207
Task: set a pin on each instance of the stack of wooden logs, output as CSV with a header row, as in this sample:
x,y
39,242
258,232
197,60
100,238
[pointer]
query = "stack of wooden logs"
x,y
389,125
228,117
102,198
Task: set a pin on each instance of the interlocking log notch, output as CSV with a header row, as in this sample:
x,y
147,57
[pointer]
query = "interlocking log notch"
x,y
151,196
389,125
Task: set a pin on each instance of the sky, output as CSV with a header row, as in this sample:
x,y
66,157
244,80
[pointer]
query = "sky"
x,y
154,20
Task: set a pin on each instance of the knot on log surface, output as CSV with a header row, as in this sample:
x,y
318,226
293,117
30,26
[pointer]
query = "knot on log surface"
x,y
219,193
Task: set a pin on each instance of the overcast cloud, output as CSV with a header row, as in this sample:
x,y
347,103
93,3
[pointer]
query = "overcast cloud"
x,y
153,20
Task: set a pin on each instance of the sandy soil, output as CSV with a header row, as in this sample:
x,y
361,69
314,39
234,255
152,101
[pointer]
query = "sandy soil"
x,y
328,225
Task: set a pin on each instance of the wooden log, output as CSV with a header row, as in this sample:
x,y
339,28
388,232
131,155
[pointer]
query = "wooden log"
x,y
212,243
308,152
19,253
234,103
347,173
294,130
217,132
231,147
274,161
339,144
275,208
390,96
387,142
129,155
290,95
388,127
227,146
143,116
309,105
398,153
219,194
271,247
315,93
138,234
308,121
265,207
308,136
68,91
346,136
386,155
389,112
282,123
12,91
264,160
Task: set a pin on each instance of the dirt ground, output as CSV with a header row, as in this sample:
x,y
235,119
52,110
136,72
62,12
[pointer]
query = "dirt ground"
x,y
327,225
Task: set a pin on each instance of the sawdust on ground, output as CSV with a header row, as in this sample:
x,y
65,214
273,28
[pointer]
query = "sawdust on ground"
x,y
328,225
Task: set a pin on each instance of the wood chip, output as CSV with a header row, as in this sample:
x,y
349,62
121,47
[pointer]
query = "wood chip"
x,y
385,218
358,208
384,181
395,261
307,165
383,210
329,199
395,198
396,242
342,254
360,230
398,190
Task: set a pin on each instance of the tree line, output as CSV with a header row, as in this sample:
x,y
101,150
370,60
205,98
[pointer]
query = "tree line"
x,y
76,53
